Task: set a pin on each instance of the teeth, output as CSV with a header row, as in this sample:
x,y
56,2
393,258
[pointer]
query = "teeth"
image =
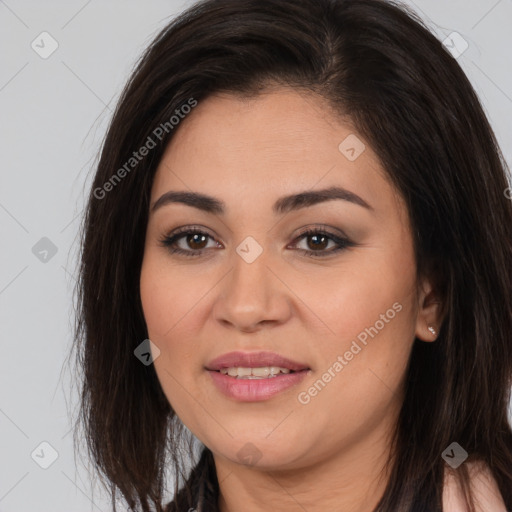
x,y
253,373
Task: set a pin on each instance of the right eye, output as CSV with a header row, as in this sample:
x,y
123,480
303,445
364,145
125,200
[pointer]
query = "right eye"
x,y
192,236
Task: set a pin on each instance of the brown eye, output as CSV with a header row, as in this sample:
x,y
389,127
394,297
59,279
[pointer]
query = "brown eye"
x,y
317,242
194,242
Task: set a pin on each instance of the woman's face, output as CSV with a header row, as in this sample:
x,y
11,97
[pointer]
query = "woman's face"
x,y
347,317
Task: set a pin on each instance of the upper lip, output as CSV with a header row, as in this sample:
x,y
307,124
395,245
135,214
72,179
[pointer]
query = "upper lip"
x,y
254,360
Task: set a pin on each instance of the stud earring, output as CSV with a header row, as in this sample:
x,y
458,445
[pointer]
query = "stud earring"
x,y
432,330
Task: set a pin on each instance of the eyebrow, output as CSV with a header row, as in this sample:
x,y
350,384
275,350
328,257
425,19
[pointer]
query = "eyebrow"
x,y
283,205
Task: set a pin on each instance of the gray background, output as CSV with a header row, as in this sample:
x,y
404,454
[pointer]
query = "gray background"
x,y
54,113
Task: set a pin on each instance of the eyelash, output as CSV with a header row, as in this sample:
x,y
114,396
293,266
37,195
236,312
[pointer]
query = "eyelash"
x,y
170,240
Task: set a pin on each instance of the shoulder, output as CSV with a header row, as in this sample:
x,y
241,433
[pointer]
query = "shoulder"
x,y
485,491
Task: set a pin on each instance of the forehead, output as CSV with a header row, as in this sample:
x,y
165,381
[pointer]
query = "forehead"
x,y
280,140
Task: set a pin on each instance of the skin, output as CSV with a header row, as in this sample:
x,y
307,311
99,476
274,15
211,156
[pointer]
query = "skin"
x,y
329,452
484,488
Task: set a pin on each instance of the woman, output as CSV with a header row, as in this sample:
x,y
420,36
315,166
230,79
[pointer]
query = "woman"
x,y
311,225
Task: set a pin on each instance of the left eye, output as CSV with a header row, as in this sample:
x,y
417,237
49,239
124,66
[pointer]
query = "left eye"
x,y
319,240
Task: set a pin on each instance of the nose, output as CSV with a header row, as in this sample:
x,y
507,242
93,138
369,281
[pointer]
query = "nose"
x,y
252,295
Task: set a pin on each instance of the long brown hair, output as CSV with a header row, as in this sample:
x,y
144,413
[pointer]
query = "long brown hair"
x,y
378,65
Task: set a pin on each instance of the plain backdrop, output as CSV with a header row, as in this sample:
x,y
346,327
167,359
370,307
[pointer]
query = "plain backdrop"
x,y
54,110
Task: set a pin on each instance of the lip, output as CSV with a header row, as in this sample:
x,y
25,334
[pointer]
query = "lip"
x,y
254,360
255,390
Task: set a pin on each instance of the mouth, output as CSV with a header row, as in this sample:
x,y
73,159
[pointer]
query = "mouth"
x,y
255,364
255,376
254,388
265,372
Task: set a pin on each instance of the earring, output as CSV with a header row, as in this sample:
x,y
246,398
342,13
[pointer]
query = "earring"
x,y
432,330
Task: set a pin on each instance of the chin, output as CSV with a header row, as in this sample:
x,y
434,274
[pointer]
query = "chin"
x,y
264,454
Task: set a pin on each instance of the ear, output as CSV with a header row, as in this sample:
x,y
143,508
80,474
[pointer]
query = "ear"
x,y
428,321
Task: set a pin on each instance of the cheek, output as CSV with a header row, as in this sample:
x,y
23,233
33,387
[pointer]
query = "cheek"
x,y
155,302
163,306
171,303
168,295
358,383
370,297
368,317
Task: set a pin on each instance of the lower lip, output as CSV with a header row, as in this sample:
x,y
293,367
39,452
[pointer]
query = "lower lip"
x,y
255,390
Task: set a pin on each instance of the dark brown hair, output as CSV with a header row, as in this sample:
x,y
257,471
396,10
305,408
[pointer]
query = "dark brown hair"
x,y
379,66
